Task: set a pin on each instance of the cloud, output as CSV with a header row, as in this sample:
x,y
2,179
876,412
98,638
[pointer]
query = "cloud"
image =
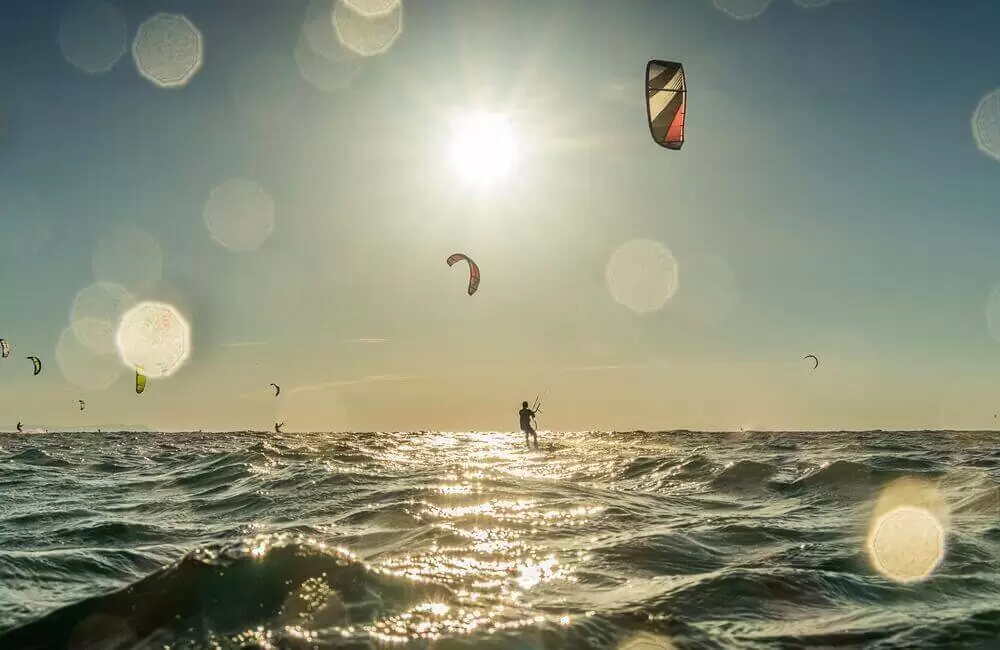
x,y
629,94
338,383
750,9
624,366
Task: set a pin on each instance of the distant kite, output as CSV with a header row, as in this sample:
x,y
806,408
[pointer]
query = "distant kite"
x,y
277,389
666,102
37,363
83,405
815,360
4,348
473,270
140,380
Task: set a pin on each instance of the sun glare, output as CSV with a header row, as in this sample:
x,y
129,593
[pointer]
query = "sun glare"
x,y
482,148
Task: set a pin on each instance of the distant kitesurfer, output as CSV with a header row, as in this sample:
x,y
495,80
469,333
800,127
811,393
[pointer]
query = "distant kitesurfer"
x,y
527,416
277,426
19,428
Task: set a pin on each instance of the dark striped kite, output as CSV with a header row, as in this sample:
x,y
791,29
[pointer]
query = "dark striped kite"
x,y
473,270
666,102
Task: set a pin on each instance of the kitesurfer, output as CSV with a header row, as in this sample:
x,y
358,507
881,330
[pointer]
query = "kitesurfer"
x,y
527,415
277,426
19,428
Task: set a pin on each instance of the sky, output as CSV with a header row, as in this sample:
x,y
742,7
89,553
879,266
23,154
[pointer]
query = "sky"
x,y
282,177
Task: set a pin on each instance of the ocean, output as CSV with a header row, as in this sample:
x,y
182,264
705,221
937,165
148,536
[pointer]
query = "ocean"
x,y
628,541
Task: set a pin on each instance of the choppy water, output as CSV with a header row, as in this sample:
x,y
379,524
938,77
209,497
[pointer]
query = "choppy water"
x,y
461,540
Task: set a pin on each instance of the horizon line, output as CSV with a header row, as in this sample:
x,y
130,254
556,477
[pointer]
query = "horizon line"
x,y
146,429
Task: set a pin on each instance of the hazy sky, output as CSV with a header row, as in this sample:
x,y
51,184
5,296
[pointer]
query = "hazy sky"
x,y
830,199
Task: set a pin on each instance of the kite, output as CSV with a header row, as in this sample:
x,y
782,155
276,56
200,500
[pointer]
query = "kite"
x,y
140,380
277,389
815,360
37,363
83,404
473,270
666,102
4,348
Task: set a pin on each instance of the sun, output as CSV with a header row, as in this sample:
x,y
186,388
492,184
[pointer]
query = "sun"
x,y
482,150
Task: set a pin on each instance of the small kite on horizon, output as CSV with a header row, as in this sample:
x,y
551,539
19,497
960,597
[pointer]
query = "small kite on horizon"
x,y
815,360
277,389
37,363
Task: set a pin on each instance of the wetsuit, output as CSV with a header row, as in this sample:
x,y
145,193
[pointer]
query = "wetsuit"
x,y
526,415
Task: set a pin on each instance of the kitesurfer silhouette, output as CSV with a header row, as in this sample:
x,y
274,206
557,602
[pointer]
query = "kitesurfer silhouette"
x,y
277,426
19,429
527,415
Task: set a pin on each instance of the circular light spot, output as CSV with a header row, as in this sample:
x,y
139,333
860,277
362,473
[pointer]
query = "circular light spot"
x,y
327,74
25,222
642,275
482,149
129,257
319,32
82,366
168,50
907,544
986,124
372,7
239,215
367,35
906,539
92,36
646,641
709,293
96,311
155,336
743,9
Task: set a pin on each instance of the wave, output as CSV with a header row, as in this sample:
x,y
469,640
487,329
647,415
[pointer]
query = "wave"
x,y
466,540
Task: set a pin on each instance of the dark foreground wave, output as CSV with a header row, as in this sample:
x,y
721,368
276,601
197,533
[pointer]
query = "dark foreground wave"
x,y
626,541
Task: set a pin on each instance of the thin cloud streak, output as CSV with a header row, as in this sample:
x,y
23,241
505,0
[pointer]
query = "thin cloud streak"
x,y
370,379
624,366
627,94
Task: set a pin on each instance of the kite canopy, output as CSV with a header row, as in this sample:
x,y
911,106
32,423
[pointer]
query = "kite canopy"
x,y
815,360
666,102
37,363
277,389
140,380
4,348
473,270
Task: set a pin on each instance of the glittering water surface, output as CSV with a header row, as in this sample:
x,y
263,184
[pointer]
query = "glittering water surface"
x,y
467,540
